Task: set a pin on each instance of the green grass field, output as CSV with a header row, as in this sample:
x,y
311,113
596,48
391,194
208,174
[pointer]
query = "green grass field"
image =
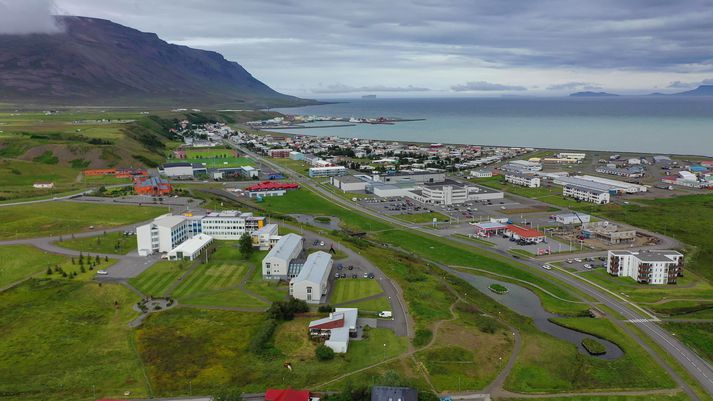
x,y
212,352
266,288
698,336
651,397
217,162
63,218
64,340
209,152
422,217
371,305
562,368
22,261
683,217
349,289
113,242
159,277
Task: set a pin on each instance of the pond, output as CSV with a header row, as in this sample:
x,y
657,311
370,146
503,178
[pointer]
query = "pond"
x,y
525,302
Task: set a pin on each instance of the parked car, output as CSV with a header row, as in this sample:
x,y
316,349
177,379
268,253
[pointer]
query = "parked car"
x,y
354,275
351,267
570,261
366,275
344,275
385,314
340,266
371,275
578,260
102,272
587,266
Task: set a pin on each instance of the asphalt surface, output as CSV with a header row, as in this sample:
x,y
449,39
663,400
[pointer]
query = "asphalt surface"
x,y
694,364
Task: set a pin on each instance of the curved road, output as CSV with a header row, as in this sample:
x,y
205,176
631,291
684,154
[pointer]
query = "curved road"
x,y
694,364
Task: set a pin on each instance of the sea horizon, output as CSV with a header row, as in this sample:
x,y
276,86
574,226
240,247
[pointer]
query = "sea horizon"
x,y
645,124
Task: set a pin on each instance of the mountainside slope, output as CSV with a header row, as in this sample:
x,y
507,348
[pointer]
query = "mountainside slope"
x,y
95,61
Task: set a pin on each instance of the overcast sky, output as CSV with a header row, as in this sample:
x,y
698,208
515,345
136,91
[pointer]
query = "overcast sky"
x,y
323,48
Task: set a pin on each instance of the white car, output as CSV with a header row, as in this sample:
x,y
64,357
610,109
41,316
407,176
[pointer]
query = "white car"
x,y
102,272
578,260
547,267
587,266
385,314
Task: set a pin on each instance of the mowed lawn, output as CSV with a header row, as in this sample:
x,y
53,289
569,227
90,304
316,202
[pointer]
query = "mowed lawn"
x,y
217,162
113,242
158,278
63,218
351,289
212,351
22,261
698,336
63,340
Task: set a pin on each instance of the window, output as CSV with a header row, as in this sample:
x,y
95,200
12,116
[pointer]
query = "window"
x,y
309,290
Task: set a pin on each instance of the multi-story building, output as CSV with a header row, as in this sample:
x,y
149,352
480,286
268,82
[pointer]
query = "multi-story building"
x,y
266,237
230,224
311,283
279,153
586,194
162,235
452,193
328,171
648,267
276,264
525,180
167,232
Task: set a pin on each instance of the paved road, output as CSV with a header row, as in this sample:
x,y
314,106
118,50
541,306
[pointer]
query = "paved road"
x,y
695,365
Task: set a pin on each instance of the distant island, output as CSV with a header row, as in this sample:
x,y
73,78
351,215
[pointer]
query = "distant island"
x,y
369,97
701,90
591,94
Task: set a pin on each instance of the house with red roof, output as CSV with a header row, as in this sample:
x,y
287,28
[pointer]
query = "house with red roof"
x,y
525,233
286,395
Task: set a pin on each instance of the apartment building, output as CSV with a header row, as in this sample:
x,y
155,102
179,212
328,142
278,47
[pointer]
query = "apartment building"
x,y
525,180
328,171
647,267
586,194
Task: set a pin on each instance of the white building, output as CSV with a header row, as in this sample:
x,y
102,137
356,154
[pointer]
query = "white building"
x,y
191,248
168,231
336,329
179,170
522,165
265,237
311,284
605,184
349,183
571,155
525,180
648,267
572,218
452,193
276,264
230,224
328,171
481,173
162,235
586,194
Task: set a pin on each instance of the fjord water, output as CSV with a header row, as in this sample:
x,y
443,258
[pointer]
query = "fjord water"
x,y
652,124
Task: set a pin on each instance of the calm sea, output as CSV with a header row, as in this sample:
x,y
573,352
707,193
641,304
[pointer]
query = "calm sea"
x,y
676,125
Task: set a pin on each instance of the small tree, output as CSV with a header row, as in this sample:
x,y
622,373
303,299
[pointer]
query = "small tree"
x,y
49,270
324,353
73,260
106,258
97,260
82,269
245,245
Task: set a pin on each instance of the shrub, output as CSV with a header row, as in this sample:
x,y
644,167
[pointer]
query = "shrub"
x,y
325,309
422,337
259,343
324,353
285,310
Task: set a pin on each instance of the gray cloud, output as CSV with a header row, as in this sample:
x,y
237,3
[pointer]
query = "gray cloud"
x,y
575,86
478,86
27,16
434,43
689,85
341,88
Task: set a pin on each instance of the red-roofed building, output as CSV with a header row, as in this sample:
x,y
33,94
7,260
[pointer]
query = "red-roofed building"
x,y
524,233
270,188
153,186
286,395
